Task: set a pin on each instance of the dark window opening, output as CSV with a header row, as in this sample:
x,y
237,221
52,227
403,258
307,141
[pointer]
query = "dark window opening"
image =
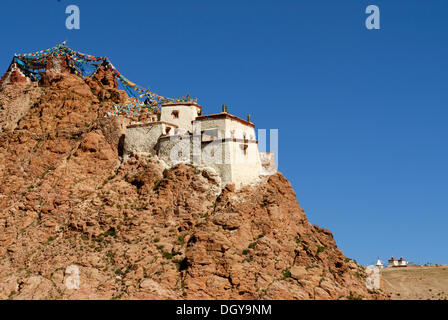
x,y
244,148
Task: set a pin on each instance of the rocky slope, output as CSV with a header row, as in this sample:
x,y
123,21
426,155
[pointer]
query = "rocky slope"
x,y
139,230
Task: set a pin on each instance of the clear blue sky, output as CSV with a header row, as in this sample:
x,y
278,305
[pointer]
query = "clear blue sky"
x,y
362,115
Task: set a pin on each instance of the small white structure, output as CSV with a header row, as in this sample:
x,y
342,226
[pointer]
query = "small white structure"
x,y
221,141
402,262
397,262
379,264
392,262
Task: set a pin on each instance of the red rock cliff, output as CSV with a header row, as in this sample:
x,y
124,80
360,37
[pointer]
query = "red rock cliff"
x,y
136,230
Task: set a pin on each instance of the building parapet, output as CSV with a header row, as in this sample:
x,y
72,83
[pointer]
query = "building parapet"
x,y
173,104
225,115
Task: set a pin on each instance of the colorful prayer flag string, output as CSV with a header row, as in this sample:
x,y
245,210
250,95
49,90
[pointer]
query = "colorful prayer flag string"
x,y
84,65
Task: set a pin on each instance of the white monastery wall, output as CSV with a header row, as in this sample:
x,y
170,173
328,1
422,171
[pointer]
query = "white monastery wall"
x,y
185,115
144,137
226,143
175,149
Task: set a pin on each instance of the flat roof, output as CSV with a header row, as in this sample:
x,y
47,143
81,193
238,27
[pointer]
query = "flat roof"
x,y
172,104
225,115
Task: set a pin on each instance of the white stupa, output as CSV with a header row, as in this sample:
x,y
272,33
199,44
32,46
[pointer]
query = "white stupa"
x,y
379,264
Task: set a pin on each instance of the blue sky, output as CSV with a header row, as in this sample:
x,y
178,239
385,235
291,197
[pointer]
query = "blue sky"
x,y
362,115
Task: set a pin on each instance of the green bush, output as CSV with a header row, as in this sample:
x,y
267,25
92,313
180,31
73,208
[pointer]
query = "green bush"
x,y
180,240
353,297
167,255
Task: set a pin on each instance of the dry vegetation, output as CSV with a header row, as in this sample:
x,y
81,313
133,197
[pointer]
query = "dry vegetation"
x,y
416,283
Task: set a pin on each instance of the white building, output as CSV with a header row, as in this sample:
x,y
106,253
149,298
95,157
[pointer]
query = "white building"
x,y
181,114
221,141
397,262
379,264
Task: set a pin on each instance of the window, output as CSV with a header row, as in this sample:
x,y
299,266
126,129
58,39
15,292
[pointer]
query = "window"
x,y
243,148
175,114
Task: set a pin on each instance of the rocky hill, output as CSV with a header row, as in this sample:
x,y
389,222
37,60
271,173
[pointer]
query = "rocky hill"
x,y
140,230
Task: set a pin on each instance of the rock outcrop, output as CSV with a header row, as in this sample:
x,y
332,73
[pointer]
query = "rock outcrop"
x,y
139,230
